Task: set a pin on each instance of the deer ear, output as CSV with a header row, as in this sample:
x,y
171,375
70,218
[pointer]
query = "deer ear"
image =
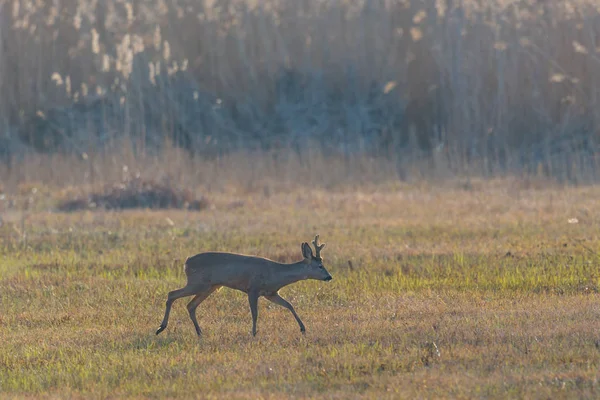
x,y
306,251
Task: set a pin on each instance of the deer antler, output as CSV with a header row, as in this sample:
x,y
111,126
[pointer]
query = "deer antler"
x,y
318,247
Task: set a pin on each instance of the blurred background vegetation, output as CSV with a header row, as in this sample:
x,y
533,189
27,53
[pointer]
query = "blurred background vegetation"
x,y
395,88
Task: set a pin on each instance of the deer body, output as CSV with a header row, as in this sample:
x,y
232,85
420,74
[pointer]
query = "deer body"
x,y
244,273
255,276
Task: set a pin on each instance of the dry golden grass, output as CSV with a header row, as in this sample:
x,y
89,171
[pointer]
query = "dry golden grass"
x,y
439,291
446,288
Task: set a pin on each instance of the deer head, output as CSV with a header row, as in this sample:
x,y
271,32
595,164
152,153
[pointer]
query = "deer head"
x,y
315,267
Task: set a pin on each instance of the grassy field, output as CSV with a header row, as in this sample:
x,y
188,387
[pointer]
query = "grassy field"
x,y
479,290
301,118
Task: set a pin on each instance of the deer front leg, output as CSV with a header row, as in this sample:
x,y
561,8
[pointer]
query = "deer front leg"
x,y
253,300
277,299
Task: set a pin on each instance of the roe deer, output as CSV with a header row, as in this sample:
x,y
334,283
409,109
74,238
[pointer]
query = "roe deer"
x,y
256,276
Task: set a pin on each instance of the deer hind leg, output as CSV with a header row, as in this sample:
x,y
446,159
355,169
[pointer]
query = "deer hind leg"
x,y
277,299
192,305
174,295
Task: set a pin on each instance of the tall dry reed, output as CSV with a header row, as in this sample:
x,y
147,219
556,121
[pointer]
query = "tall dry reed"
x,y
449,86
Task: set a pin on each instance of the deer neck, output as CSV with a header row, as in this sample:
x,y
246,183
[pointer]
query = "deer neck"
x,y
290,273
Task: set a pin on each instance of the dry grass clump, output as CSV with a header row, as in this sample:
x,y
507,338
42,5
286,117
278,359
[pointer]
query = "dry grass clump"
x,y
136,193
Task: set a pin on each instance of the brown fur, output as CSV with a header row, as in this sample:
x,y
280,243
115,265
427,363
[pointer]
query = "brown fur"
x,y
255,276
